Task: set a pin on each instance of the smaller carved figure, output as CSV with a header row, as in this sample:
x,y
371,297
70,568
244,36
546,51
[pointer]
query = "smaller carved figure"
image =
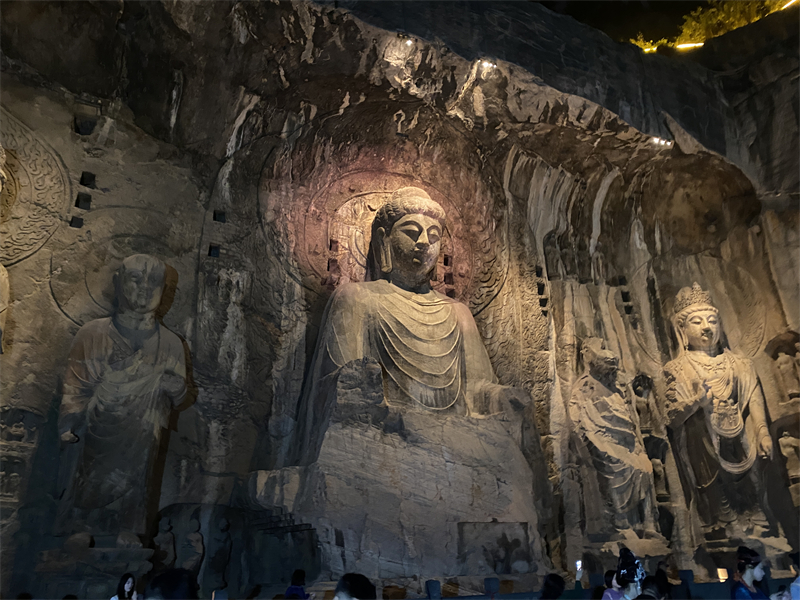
x,y
610,441
790,448
164,541
192,549
660,480
13,485
16,432
219,556
788,370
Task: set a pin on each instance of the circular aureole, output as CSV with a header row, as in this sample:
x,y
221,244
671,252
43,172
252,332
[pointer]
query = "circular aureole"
x,y
37,194
733,291
338,223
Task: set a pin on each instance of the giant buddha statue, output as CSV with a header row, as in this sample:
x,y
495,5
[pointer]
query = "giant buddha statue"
x,y
715,409
427,344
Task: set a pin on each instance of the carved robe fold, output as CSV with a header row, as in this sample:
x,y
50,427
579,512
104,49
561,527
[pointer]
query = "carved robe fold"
x,y
112,399
611,442
427,344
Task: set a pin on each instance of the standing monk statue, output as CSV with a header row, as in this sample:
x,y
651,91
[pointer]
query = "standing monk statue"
x,y
125,375
428,346
715,408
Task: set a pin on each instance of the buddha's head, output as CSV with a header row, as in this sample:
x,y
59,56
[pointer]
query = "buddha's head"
x,y
407,237
140,283
697,322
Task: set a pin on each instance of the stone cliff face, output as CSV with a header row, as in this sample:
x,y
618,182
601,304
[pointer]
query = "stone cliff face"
x,y
246,144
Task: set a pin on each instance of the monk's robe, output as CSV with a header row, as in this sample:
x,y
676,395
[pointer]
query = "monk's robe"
x,y
613,446
112,399
428,345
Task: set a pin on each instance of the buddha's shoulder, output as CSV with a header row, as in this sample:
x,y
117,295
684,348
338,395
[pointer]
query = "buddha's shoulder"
x,y
355,293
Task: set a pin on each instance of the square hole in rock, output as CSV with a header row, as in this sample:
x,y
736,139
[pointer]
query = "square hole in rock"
x,y
540,288
542,301
76,222
219,216
451,293
333,245
626,296
83,201
628,309
84,125
448,279
88,180
448,260
539,271
213,251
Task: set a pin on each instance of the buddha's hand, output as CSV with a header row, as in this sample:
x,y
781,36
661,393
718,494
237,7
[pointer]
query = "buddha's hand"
x,y
69,437
765,447
704,394
491,398
172,384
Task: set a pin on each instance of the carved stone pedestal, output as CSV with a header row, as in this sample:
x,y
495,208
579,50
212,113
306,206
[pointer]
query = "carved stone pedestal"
x,y
88,572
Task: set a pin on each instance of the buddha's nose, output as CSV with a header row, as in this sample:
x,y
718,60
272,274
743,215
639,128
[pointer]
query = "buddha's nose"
x,y
422,240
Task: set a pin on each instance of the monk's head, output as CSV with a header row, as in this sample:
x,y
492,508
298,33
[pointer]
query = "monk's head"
x,y
139,283
407,237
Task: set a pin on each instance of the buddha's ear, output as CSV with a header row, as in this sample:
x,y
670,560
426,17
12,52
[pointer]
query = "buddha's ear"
x,y
384,251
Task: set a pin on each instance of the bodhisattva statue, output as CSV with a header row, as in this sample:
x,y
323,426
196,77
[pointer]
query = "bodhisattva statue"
x,y
715,408
610,441
125,375
427,344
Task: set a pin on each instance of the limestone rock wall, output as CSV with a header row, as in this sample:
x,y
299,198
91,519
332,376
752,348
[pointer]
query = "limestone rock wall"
x,y
270,139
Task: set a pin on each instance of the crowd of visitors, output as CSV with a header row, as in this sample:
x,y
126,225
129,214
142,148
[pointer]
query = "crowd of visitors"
x,y
627,582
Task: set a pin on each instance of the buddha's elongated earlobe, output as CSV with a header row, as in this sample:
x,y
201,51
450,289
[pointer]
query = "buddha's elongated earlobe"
x,y
384,251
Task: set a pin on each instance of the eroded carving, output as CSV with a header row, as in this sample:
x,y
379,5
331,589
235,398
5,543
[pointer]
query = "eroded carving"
x,y
715,408
164,541
611,444
125,375
790,449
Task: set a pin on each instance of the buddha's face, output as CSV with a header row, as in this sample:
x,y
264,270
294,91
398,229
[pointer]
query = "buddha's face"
x,y
141,288
702,329
415,241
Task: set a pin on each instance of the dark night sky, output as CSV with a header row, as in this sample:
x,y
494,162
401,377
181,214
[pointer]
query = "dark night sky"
x,y
623,19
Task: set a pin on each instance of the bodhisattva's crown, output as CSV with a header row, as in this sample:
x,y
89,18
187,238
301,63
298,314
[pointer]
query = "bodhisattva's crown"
x,y
690,296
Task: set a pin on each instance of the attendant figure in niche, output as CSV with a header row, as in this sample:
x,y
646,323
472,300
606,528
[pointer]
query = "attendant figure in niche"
x,y
427,344
715,408
164,541
126,588
607,427
788,370
125,374
192,549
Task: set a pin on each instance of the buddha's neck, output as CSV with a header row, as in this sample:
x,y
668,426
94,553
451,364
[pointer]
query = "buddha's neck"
x,y
712,352
410,284
135,321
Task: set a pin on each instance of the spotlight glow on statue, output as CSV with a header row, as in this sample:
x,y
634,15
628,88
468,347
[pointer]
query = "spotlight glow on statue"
x,y
125,375
427,344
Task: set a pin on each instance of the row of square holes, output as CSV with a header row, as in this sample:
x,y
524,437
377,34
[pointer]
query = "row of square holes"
x,y
219,217
84,199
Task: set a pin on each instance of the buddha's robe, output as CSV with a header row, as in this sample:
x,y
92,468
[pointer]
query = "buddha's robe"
x,y
112,399
721,438
607,427
428,345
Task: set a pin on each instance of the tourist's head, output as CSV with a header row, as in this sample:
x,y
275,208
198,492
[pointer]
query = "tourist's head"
x,y
748,561
609,578
140,283
552,587
299,577
629,573
407,235
125,586
354,586
697,321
